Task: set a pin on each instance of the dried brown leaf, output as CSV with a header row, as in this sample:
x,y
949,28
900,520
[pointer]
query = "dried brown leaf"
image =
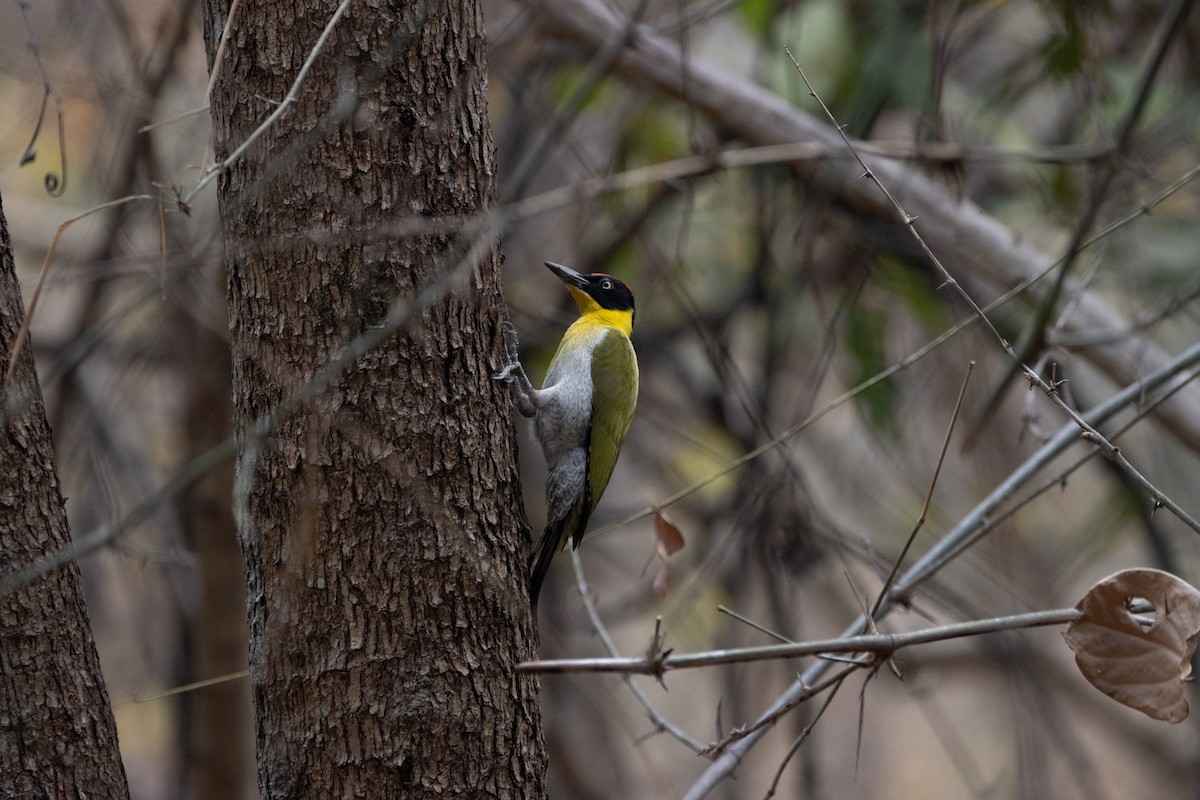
x,y
660,581
1138,658
668,541
667,535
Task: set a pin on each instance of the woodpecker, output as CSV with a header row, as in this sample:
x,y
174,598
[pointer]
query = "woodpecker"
x,y
583,410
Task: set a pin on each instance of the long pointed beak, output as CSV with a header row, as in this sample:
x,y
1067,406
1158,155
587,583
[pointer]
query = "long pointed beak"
x,y
567,275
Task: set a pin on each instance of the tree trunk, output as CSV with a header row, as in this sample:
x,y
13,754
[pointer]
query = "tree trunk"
x,y
219,739
380,519
58,738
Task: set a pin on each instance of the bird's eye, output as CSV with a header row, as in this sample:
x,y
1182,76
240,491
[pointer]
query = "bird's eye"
x,y
606,285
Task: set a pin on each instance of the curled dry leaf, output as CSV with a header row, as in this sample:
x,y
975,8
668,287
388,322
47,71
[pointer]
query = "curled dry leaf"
x,y
667,535
668,541
1136,638
660,582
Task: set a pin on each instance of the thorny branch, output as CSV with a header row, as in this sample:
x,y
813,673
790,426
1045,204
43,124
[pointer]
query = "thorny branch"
x,y
879,646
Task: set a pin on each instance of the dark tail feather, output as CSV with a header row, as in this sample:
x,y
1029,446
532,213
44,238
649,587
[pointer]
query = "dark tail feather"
x,y
551,542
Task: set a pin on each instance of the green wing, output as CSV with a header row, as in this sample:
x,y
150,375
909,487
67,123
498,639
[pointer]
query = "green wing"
x,y
614,394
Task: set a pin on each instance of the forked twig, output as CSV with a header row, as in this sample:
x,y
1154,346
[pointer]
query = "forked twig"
x,y
55,184
216,169
23,332
660,722
912,537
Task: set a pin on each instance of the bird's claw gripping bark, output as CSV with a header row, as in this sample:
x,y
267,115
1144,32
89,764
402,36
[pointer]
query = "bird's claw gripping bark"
x,y
511,351
524,395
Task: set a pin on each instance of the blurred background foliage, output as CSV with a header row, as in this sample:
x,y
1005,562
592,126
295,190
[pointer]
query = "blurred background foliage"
x,y
762,298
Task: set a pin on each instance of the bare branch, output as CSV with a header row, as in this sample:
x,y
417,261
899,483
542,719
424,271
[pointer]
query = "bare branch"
x,y
880,645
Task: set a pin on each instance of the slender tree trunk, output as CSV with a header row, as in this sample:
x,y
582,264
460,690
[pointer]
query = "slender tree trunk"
x,y
380,520
57,735
219,725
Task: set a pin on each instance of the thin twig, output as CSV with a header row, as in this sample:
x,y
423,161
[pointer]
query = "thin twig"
x,y
54,184
94,540
219,58
908,220
23,332
804,696
660,722
216,169
171,120
185,688
838,682
912,537
779,637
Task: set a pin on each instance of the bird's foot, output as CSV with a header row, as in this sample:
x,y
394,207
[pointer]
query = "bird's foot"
x,y
512,351
511,345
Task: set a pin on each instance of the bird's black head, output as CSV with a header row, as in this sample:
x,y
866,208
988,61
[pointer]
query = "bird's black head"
x,y
606,291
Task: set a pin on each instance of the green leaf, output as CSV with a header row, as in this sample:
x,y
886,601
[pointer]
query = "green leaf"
x,y
865,338
759,16
1065,50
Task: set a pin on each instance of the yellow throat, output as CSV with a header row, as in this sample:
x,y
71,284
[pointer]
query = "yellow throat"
x,y
592,313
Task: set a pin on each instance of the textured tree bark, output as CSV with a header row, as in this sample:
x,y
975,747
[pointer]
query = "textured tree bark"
x,y
57,735
381,524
